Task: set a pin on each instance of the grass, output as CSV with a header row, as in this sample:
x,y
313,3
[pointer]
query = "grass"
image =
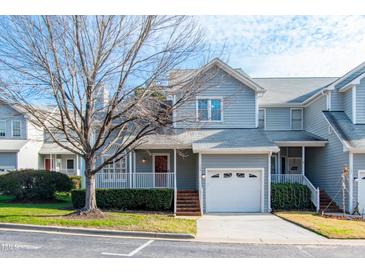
x,y
331,228
55,214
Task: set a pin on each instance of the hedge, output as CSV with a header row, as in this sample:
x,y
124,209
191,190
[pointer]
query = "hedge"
x,y
128,199
76,180
34,185
286,196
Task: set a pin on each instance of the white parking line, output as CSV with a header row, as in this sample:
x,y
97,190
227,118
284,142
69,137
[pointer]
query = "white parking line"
x,y
132,253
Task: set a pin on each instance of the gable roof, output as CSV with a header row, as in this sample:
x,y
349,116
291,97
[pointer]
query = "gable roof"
x,y
348,77
291,90
237,74
351,135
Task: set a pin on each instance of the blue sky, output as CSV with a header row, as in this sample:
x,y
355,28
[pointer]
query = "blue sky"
x,y
288,45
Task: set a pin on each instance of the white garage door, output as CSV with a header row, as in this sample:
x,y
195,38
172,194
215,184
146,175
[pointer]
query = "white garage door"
x,y
361,191
233,190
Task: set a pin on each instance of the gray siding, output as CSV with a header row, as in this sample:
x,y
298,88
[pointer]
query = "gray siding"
x,y
324,165
336,101
8,159
236,161
147,155
239,105
347,103
9,114
277,118
186,170
360,102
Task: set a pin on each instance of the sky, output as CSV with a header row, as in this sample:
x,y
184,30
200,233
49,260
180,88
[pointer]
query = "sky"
x,y
281,46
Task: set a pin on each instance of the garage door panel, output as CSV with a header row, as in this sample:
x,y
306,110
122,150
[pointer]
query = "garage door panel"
x,y
233,191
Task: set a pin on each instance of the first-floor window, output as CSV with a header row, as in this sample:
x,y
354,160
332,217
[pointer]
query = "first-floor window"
x,y
209,109
2,128
116,166
70,164
16,128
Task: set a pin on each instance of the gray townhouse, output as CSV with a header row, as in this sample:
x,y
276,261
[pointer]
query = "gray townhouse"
x,y
230,143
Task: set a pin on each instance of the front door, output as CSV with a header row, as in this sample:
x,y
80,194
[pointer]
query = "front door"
x,y
161,167
48,164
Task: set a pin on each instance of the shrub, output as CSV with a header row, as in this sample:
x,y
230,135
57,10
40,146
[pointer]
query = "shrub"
x,y
288,196
76,180
28,185
128,199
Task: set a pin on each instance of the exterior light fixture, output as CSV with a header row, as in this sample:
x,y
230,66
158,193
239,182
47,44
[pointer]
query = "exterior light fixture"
x,y
203,176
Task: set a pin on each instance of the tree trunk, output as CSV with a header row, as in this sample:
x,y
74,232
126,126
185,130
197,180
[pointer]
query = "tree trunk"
x,y
90,207
90,197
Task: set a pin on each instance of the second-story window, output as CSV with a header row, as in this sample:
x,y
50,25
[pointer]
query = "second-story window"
x,y
296,119
261,118
16,128
2,128
209,109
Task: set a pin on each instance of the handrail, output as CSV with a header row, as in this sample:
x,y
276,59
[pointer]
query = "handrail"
x,y
140,180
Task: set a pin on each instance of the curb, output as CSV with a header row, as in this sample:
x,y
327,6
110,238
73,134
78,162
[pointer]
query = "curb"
x,y
100,232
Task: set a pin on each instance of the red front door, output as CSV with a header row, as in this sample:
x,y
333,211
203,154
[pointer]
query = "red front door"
x,y
161,168
48,164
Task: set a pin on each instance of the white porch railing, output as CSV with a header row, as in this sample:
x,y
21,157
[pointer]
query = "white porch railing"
x,y
6,169
298,179
135,180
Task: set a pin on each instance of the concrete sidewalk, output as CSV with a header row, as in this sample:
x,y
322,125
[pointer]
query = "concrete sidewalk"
x,y
253,228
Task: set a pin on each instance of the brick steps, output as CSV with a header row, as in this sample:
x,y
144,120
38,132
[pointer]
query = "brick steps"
x,y
324,202
187,203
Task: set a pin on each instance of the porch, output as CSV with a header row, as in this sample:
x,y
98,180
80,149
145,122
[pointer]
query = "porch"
x,y
288,166
68,164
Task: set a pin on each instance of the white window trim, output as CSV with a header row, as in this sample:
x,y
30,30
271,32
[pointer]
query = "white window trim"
x,y
160,154
354,114
73,160
12,128
209,98
4,121
291,115
258,118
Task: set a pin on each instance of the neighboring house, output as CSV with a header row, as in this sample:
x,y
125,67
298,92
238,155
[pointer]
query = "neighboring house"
x,y
24,146
240,135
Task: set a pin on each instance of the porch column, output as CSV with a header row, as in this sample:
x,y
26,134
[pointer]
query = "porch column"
x,y
175,185
130,154
77,165
303,160
269,182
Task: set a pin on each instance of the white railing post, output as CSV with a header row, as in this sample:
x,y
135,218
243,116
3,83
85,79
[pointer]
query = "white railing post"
x,y
175,185
318,206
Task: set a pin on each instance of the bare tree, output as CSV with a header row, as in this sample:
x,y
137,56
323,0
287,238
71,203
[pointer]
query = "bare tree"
x,y
70,61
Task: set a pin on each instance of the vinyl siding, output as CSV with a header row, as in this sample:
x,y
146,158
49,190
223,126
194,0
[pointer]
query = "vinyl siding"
x,y
63,158
347,102
336,101
147,155
277,118
324,165
360,102
9,114
8,159
236,161
359,164
239,105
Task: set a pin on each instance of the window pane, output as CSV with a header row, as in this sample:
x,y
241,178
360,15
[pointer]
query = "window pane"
x,y
296,124
216,110
203,109
227,175
2,128
70,164
16,128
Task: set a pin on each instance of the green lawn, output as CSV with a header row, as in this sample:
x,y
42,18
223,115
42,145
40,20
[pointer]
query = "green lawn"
x,y
329,227
54,214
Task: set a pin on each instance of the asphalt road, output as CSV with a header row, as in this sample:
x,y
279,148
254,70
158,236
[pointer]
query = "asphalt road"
x,y
16,244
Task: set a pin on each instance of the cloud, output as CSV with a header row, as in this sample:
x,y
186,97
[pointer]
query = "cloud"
x,y
289,45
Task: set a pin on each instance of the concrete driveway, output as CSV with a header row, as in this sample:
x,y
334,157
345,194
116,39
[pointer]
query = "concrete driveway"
x,y
252,228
